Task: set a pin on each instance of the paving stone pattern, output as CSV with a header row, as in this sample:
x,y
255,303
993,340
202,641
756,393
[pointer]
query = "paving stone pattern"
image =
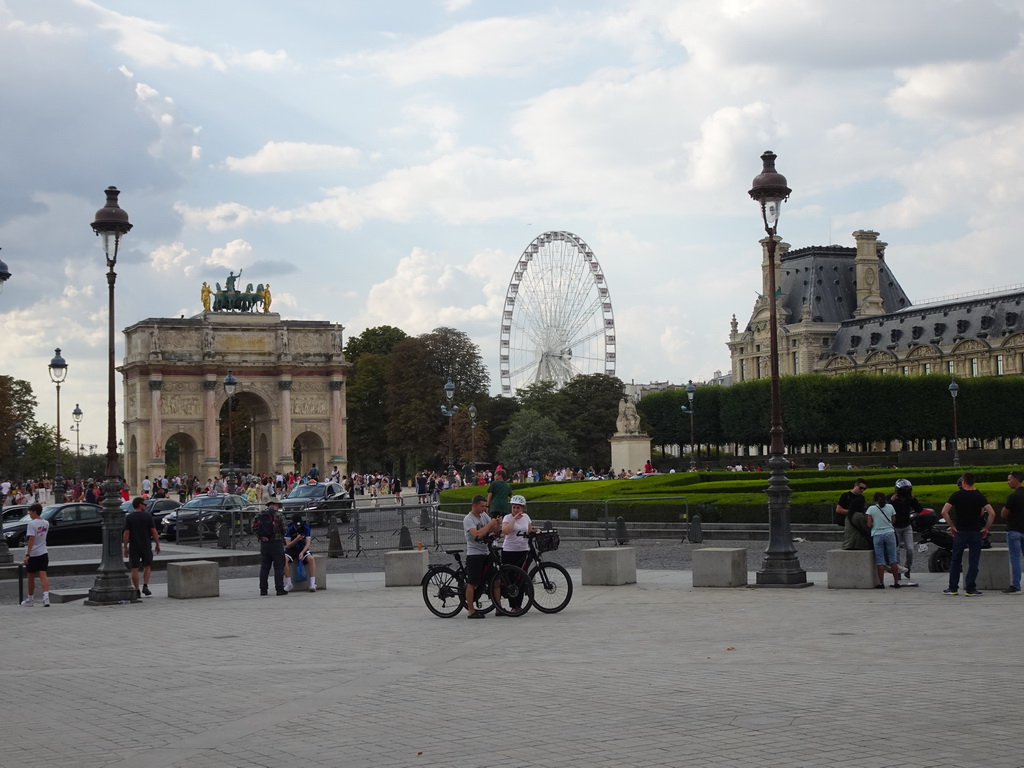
x,y
652,674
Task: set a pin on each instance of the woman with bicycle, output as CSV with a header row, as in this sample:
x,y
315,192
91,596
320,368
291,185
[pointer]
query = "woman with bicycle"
x,y
515,526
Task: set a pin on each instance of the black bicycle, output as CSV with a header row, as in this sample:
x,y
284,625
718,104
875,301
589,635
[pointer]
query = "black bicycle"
x,y
507,588
552,586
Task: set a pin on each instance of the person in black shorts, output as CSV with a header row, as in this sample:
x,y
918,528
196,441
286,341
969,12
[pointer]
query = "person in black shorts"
x,y
296,542
477,526
37,556
139,530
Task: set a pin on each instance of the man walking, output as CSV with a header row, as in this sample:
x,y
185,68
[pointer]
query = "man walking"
x,y
139,531
1013,514
969,517
37,556
269,528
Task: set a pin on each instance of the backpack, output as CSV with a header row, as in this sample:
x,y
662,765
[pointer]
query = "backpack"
x,y
837,518
266,526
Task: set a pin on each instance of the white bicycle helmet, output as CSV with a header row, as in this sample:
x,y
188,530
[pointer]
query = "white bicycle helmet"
x,y
518,499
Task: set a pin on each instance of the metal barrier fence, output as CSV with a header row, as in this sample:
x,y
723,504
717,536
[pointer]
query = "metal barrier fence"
x,y
379,528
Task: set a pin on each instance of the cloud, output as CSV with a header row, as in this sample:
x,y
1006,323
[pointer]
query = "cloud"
x,y
232,256
174,258
495,47
282,156
263,61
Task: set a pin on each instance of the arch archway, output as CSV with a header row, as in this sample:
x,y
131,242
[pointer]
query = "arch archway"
x,y
251,423
182,454
307,450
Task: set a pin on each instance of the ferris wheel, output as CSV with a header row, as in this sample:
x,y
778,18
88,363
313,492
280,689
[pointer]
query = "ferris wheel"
x,y
557,322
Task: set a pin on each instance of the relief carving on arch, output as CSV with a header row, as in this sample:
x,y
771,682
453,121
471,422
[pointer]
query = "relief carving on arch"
x,y
186,405
305,405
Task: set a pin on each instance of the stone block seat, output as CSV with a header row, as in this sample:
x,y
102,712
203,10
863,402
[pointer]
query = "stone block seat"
x,y
851,569
720,567
609,566
192,579
404,568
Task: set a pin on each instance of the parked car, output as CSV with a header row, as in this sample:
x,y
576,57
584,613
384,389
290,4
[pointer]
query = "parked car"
x,y
73,523
160,508
14,513
317,502
203,513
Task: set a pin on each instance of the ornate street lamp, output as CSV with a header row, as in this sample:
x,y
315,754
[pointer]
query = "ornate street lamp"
x,y
77,416
954,390
112,585
230,386
781,566
58,372
449,411
472,439
691,390
5,275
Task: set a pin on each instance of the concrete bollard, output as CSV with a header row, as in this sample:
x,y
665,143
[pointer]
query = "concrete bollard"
x,y
334,548
695,534
621,536
404,538
224,536
424,519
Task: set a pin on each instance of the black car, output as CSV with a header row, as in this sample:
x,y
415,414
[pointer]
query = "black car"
x,y
317,502
160,508
14,513
73,523
202,514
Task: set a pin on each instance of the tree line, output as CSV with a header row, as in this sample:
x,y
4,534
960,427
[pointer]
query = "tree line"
x,y
395,391
851,411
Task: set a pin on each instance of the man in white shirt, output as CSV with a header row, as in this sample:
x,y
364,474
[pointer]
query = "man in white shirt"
x,y
147,486
37,557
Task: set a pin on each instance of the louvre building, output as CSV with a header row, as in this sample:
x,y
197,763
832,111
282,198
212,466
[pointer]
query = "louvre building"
x,y
841,309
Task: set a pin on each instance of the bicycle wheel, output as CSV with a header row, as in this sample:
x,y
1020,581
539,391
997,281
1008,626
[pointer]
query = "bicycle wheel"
x,y
552,587
443,591
511,591
482,598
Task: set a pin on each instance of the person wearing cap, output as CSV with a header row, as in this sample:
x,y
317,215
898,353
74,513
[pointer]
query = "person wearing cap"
x,y
269,528
296,542
477,526
904,503
516,548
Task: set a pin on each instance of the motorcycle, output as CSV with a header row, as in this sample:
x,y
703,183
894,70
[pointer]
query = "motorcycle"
x,y
933,530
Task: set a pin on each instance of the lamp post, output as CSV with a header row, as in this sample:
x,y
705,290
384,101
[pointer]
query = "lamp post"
x,y
449,411
112,585
230,386
77,416
781,566
5,275
472,439
58,372
954,390
120,452
691,390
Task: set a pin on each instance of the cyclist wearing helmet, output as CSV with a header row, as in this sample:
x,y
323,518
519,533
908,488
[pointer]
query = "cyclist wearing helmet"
x,y
904,502
516,548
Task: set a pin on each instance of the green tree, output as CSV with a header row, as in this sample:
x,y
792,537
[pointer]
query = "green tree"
x,y
453,354
589,407
535,440
413,396
17,416
542,397
368,412
377,341
494,417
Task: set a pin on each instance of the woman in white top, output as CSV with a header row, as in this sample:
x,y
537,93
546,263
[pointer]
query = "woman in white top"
x,y
883,539
516,548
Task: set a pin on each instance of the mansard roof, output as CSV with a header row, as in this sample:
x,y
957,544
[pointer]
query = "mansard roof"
x,y
824,277
939,324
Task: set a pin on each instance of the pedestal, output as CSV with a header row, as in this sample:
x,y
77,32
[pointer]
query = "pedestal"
x,y
630,452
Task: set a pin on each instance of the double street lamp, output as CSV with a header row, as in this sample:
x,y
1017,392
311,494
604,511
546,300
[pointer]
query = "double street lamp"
x,y
691,390
58,372
781,566
472,439
77,416
449,411
112,585
954,390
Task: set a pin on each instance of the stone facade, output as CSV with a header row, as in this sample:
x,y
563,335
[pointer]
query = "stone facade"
x,y
842,310
291,377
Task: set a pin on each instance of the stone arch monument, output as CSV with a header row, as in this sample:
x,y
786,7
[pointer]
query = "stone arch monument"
x,y
291,378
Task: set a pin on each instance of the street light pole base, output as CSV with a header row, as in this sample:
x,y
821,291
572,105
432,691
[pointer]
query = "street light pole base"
x,y
113,586
791,578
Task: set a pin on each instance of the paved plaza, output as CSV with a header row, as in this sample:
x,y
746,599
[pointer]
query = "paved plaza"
x,y
652,674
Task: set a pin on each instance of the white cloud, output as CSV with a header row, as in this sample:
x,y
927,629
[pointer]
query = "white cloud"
x,y
263,61
174,258
496,47
281,156
233,255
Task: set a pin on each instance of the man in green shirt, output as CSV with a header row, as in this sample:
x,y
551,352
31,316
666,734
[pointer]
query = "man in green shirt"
x,y
498,494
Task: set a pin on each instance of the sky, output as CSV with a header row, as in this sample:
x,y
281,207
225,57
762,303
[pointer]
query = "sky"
x,y
387,163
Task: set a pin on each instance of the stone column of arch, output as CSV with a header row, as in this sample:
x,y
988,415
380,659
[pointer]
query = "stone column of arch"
x,y
155,451
337,447
211,444
286,459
